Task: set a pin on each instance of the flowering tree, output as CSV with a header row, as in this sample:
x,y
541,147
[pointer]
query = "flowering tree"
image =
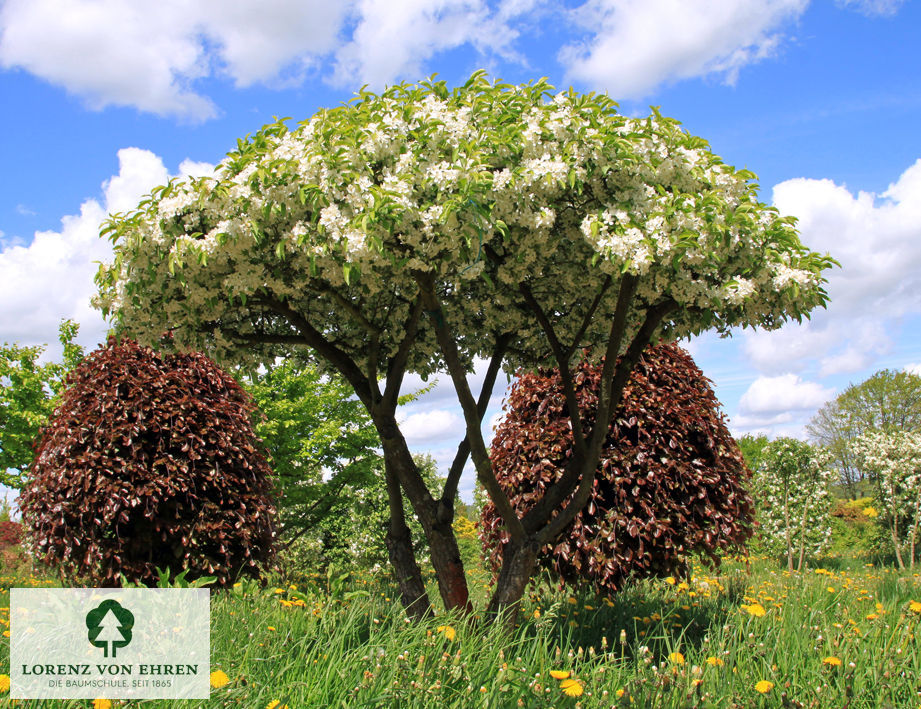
x,y
890,400
421,228
793,499
893,460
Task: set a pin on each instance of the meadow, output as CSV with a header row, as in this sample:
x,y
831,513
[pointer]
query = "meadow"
x,y
748,635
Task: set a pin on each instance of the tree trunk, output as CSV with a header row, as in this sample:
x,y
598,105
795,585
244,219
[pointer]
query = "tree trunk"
x,y
894,528
402,558
802,538
914,529
518,564
787,531
452,581
439,534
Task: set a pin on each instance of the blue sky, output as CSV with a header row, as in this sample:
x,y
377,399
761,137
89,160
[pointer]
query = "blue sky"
x,y
104,99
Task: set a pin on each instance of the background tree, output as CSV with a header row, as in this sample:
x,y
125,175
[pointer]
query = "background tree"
x,y
670,484
421,228
893,459
792,491
320,441
149,461
890,400
752,448
29,391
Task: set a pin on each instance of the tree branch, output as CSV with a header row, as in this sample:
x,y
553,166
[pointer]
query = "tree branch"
x,y
463,450
556,494
469,405
625,366
315,339
562,362
397,365
348,306
590,313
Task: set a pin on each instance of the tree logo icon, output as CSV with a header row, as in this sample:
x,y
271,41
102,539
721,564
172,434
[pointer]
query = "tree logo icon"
x,y
109,626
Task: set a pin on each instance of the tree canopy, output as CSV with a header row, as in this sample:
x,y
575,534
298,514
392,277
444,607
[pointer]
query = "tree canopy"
x,y
29,391
888,401
476,191
419,228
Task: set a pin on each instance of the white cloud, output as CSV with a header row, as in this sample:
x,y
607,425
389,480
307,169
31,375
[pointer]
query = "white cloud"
x,y
914,368
873,8
773,396
431,426
877,239
52,278
392,40
154,56
149,55
636,45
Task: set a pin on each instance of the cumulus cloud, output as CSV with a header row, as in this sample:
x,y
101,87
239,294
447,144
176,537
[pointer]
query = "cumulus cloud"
x,y
783,394
632,47
432,425
393,39
877,239
52,277
149,55
914,368
154,56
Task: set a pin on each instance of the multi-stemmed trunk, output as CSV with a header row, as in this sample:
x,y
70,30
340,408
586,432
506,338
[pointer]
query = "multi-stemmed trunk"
x,y
551,515
435,522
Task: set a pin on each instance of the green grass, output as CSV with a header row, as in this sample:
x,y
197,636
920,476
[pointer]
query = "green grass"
x,y
348,644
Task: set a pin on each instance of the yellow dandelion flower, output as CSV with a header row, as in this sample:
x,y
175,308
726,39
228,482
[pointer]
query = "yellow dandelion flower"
x,y
448,631
870,512
619,693
755,609
764,686
572,600
6,633
560,674
830,589
914,607
832,661
696,682
219,678
102,703
714,661
572,687
676,657
4,683
279,590
537,612
872,616
276,704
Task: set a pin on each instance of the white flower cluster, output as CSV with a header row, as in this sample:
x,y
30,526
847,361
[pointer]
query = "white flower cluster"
x,y
892,460
793,497
485,188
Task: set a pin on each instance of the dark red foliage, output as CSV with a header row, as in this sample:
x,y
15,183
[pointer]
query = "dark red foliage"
x,y
10,533
671,481
150,461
